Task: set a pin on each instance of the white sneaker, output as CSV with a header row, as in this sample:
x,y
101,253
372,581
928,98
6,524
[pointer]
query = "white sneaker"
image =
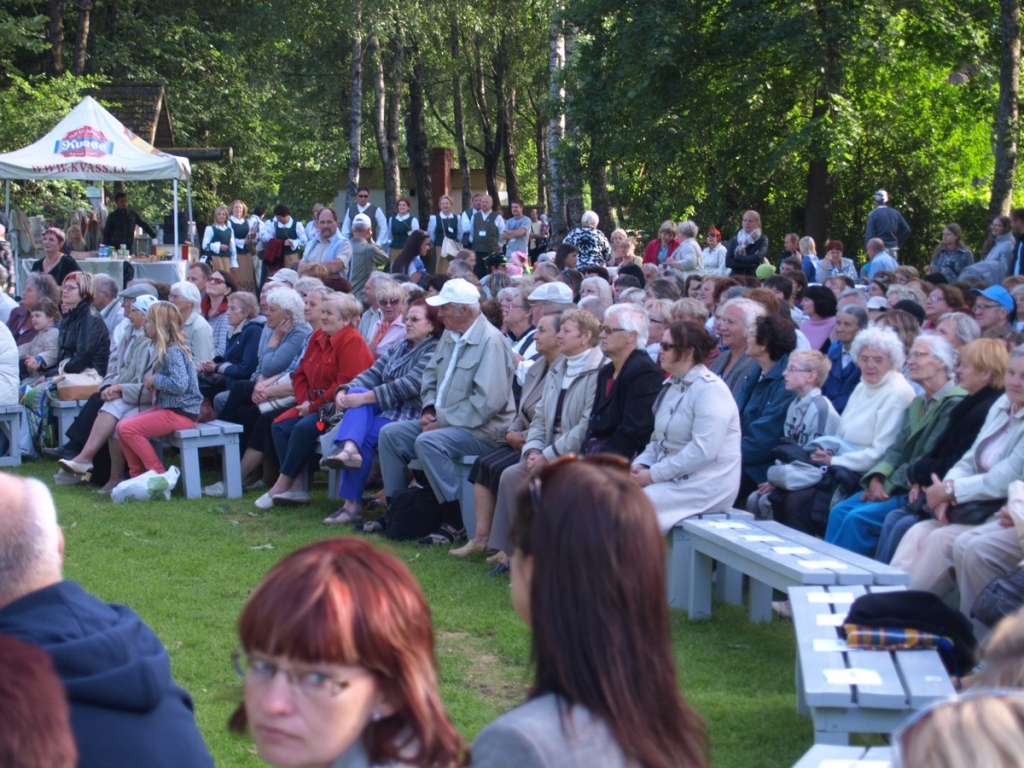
x,y
252,486
217,489
783,609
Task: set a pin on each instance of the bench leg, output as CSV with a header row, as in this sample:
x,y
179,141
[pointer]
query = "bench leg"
x,y
190,472
801,698
231,468
760,601
836,738
729,585
332,483
12,428
678,567
698,601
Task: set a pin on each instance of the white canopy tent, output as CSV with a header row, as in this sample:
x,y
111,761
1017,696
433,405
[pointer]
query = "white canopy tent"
x,y
90,144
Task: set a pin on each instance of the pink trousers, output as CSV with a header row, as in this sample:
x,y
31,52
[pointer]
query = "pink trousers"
x,y
135,432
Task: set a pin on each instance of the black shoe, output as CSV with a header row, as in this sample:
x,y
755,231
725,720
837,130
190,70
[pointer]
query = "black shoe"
x,y
443,535
499,569
373,526
58,453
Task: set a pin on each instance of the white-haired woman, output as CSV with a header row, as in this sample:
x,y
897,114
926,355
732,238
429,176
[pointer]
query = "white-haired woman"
x,y
688,258
594,248
870,423
595,285
734,322
856,523
198,333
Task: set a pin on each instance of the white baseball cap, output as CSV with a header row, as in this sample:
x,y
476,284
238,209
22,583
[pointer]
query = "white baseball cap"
x,y
362,218
143,303
457,291
556,293
287,276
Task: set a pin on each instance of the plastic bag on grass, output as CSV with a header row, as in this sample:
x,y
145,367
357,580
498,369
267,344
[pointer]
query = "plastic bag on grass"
x,y
149,486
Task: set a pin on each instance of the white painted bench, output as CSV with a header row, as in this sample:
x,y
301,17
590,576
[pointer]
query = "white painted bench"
x,y
775,557
222,435
65,411
848,691
10,427
831,756
729,582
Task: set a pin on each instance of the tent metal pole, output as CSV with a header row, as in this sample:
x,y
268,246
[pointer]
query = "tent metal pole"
x,y
176,217
188,187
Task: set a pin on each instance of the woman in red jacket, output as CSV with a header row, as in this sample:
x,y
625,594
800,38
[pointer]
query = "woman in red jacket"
x,y
663,246
335,354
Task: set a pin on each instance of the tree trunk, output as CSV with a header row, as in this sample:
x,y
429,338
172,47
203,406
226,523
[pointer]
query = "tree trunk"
x,y
491,150
55,37
416,139
392,169
600,199
818,182
572,167
462,151
355,120
556,126
82,38
543,191
1008,112
506,99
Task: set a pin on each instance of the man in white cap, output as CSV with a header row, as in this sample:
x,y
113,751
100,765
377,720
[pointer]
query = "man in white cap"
x,y
887,224
366,256
467,406
285,276
549,297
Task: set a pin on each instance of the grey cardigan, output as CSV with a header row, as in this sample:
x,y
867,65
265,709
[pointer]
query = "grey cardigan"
x,y
532,735
283,357
130,364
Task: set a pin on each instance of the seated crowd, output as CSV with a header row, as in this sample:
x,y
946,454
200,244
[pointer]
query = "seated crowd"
x,y
683,383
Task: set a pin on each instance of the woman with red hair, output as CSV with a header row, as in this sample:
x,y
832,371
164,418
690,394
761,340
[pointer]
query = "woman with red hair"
x,y
338,661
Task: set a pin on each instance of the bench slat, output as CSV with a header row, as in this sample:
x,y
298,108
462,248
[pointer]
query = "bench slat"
x,y
819,753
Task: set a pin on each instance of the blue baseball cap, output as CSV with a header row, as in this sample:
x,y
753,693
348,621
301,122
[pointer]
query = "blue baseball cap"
x,y
998,294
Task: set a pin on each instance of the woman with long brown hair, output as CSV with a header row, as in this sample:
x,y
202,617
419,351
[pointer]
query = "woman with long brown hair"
x,y
592,588
339,667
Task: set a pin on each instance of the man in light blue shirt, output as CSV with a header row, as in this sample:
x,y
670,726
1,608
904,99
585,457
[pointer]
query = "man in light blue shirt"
x,y
879,258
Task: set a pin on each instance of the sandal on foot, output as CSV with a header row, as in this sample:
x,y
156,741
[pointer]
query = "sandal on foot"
x,y
345,459
75,467
443,535
342,516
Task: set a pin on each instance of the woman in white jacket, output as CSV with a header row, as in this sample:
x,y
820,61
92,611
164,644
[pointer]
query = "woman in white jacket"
x,y
8,367
692,463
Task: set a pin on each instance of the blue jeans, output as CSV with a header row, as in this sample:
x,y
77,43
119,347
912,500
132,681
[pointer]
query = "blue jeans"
x,y
855,525
896,525
295,440
362,426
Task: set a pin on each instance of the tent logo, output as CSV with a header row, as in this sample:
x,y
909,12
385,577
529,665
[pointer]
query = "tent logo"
x,y
84,142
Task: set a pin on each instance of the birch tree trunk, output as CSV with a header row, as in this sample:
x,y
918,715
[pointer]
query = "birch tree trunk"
x,y
556,127
1008,111
355,122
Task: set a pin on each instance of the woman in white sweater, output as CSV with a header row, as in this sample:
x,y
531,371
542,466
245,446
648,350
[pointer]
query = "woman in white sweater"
x,y
874,415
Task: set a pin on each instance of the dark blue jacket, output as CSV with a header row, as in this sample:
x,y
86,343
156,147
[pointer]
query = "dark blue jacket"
x,y
840,383
763,402
125,708
242,352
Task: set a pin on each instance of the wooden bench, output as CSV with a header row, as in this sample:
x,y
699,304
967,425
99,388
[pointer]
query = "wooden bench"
x,y
775,557
222,435
10,427
65,411
848,691
728,581
831,756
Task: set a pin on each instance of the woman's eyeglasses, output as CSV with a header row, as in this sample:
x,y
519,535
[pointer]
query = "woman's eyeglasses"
x,y
309,682
388,302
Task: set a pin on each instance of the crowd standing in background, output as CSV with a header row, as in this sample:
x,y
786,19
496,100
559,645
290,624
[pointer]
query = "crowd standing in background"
x,y
676,375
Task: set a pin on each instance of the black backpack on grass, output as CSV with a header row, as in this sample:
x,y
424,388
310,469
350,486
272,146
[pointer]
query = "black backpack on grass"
x,y
413,514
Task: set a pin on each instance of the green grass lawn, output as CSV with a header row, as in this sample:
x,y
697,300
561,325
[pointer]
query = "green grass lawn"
x,y
187,567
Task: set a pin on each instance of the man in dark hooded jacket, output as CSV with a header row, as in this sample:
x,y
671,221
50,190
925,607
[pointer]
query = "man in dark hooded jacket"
x,y
125,707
